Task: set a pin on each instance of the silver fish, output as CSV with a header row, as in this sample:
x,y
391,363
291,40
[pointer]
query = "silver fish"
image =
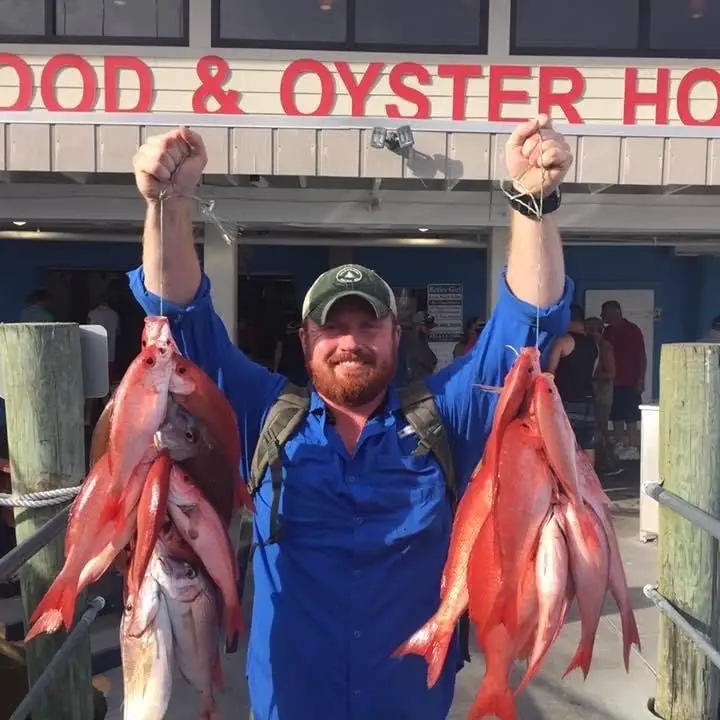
x,y
193,604
146,648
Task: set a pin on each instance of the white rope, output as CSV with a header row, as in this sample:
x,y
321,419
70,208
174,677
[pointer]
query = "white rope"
x,y
44,498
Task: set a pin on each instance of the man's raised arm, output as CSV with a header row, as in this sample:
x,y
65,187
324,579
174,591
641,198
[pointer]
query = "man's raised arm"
x,y
170,165
538,159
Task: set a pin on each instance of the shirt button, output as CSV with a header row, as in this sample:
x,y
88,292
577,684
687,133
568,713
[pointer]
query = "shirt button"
x,y
356,572
358,520
351,478
357,634
356,693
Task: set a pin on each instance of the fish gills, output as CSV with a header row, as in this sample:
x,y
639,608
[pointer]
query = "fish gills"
x,y
140,407
202,529
146,650
207,402
150,518
551,572
432,640
589,567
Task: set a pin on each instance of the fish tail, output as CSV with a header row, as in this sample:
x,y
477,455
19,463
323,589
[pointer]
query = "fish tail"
x,y
431,642
582,659
49,622
493,702
60,597
217,674
235,625
631,636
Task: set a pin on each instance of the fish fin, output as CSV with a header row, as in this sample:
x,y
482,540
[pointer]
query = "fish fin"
x,y
431,642
235,625
491,702
631,636
59,597
49,622
217,674
582,659
489,388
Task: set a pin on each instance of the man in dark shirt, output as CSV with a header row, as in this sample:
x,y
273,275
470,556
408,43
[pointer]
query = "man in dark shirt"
x,y
572,359
630,366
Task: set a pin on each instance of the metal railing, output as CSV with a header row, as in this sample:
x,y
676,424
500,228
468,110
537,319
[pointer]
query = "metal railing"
x,y
710,524
17,557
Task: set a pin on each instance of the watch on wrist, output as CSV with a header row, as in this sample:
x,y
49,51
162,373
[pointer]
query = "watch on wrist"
x,y
547,205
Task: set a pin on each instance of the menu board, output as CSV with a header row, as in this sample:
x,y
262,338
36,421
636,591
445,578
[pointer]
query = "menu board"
x,y
445,304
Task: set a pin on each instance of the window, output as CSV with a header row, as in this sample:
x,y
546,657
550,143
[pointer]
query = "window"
x,y
421,25
617,28
689,28
575,26
150,22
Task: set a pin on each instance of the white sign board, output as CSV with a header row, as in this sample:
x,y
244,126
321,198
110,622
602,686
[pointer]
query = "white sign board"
x,y
445,304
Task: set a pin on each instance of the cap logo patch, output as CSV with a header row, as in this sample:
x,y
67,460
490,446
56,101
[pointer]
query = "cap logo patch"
x,y
348,275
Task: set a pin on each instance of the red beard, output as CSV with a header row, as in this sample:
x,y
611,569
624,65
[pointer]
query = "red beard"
x,y
356,389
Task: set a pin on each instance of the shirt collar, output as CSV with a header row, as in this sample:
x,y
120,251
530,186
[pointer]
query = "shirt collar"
x,y
391,404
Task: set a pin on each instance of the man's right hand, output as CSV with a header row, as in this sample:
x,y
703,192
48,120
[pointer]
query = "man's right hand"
x,y
173,162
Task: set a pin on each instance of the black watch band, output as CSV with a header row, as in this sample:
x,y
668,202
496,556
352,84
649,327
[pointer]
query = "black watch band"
x,y
547,205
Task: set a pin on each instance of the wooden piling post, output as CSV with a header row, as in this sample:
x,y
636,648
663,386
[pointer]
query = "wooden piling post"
x,y
41,370
688,685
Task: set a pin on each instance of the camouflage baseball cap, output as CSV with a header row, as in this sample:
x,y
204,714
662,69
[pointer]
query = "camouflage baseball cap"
x,y
347,281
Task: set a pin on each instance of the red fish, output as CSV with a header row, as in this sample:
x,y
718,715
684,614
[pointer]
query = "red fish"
x,y
203,530
525,490
551,568
557,435
84,524
156,331
431,641
200,396
150,518
589,567
140,405
495,697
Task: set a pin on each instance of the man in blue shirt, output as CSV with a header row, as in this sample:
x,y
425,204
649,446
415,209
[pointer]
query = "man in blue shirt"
x,y
365,522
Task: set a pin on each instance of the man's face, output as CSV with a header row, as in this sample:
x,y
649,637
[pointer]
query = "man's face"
x,y
353,357
610,315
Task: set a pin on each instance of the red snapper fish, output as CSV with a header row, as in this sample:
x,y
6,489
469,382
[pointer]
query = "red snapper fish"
x,y
431,641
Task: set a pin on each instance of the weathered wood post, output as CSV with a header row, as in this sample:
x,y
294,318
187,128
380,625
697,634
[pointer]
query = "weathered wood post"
x,y
41,370
688,685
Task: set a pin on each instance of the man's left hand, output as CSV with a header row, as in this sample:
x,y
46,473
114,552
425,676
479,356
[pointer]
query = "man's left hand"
x,y
537,157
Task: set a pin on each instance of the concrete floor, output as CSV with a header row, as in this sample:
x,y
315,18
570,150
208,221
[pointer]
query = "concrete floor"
x,y
608,694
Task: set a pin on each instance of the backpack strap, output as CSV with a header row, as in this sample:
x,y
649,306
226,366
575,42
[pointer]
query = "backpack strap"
x,y
420,410
282,420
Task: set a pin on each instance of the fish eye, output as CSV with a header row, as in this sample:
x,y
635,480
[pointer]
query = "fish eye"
x,y
150,361
190,436
190,573
181,370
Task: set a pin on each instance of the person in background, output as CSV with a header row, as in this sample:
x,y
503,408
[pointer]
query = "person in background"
x,y
37,308
292,360
713,335
473,328
630,367
572,360
416,360
104,315
603,384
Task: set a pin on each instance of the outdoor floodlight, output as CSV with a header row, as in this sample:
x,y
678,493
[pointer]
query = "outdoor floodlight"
x,y
399,139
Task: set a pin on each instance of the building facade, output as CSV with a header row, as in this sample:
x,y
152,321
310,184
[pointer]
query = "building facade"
x,y
372,131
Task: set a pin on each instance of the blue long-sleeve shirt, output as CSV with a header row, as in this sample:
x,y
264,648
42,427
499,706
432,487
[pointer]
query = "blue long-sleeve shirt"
x,y
364,536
